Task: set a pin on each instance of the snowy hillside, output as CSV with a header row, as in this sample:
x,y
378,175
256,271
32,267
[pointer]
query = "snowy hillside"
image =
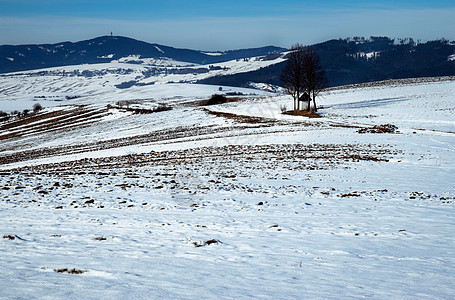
x,y
226,201
116,81
104,49
347,61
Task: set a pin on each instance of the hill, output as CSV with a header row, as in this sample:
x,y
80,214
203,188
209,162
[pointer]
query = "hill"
x,y
107,48
347,61
229,201
360,60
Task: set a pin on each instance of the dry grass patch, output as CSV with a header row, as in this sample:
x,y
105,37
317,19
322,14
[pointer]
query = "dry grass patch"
x,y
206,243
383,128
302,113
240,118
69,271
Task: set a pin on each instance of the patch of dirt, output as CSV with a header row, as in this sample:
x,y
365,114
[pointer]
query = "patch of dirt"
x,y
206,243
69,271
240,118
383,128
303,113
288,156
350,195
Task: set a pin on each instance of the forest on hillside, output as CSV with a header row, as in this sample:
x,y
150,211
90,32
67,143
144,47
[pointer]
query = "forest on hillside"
x,y
359,60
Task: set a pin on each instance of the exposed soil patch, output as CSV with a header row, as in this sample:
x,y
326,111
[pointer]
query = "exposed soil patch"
x,y
350,195
205,243
302,113
290,156
383,128
69,271
240,118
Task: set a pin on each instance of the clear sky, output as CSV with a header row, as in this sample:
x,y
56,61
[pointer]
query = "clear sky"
x,y
223,24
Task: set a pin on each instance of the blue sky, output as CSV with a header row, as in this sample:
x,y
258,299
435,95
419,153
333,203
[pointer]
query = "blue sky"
x,y
223,24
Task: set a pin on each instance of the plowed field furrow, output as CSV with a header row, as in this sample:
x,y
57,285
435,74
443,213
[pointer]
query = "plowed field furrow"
x,y
69,123
287,156
51,122
44,117
174,133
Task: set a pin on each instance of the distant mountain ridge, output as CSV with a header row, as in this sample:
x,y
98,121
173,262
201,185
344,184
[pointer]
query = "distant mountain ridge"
x,y
107,48
360,60
347,61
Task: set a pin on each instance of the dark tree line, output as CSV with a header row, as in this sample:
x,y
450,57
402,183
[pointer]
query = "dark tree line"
x,y
303,77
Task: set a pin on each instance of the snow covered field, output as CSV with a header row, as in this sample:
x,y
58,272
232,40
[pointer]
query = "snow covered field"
x,y
228,201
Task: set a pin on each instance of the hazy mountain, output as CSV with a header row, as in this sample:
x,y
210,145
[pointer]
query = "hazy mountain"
x,y
107,48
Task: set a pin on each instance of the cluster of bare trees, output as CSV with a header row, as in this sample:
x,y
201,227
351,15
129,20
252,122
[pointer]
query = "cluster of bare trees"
x,y
303,77
4,116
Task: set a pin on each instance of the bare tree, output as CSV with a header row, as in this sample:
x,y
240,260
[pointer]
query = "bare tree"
x,y
315,77
292,75
303,73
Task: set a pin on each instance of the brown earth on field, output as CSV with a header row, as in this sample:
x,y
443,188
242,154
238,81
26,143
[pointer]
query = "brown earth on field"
x,y
303,113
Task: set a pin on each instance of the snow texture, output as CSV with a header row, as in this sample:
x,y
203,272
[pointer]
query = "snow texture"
x,y
227,201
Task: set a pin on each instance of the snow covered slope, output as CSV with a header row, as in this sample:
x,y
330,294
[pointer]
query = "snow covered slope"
x,y
104,49
101,83
227,201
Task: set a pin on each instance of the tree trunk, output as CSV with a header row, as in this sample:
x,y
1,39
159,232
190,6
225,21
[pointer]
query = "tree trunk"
x,y
298,104
314,102
309,102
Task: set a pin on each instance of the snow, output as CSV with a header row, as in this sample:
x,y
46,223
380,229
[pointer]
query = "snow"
x,y
127,59
95,82
373,54
214,53
267,87
159,49
109,56
193,203
367,55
